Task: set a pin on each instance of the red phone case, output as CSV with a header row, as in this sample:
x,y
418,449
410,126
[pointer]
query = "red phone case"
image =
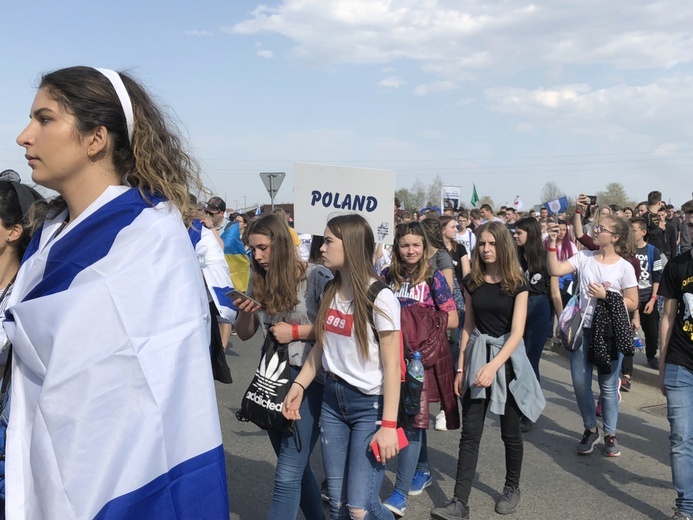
x,y
402,442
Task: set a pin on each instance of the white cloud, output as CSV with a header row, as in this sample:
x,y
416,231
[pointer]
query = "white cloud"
x,y
456,41
264,53
387,70
438,86
617,110
391,82
195,32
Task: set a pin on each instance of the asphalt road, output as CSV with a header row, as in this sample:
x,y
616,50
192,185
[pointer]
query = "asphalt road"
x,y
556,483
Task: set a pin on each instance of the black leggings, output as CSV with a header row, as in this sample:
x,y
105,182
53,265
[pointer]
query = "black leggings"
x,y
473,415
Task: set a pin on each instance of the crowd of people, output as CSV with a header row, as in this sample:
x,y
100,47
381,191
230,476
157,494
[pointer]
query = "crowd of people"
x,y
119,296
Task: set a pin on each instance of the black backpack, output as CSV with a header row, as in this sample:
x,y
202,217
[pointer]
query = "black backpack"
x,y
263,400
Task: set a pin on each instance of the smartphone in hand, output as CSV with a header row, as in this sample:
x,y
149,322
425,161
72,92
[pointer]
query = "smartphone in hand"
x,y
236,294
402,442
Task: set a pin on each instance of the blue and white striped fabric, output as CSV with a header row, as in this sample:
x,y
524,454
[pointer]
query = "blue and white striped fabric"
x,y
113,411
215,270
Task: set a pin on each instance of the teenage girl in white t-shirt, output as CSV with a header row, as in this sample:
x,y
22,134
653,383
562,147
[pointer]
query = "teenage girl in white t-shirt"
x,y
598,271
362,386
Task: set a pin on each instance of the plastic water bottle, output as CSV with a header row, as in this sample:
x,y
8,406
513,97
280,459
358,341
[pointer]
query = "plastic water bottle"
x,y
415,371
415,367
638,343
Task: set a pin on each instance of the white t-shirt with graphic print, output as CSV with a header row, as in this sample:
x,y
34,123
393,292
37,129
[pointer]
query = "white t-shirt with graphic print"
x,y
341,354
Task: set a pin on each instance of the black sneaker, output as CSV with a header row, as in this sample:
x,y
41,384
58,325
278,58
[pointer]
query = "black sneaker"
x,y
508,502
611,448
625,384
588,442
453,510
653,363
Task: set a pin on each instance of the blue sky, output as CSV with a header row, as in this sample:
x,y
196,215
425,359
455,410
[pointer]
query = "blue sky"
x,y
506,94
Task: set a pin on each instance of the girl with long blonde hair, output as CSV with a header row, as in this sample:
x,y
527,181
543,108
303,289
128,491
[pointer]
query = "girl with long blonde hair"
x,y
358,346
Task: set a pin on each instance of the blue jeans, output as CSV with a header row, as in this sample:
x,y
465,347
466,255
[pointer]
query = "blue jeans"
x,y
347,424
678,382
581,371
411,459
537,329
294,482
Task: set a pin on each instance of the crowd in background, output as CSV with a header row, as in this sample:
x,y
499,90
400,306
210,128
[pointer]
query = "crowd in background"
x,y
119,297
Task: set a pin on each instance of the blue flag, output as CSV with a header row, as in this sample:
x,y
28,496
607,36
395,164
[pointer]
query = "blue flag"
x,y
557,206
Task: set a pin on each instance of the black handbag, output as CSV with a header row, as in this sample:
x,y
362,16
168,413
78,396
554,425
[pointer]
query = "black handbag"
x,y
263,400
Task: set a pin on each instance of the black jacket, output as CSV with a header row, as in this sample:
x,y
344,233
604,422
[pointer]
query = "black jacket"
x,y
610,332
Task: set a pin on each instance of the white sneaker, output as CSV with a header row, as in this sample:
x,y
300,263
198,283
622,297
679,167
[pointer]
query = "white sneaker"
x,y
441,424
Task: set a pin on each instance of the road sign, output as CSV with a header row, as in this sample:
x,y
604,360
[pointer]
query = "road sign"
x,y
272,181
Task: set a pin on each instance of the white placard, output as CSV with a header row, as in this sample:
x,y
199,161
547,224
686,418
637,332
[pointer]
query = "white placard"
x,y
450,197
322,192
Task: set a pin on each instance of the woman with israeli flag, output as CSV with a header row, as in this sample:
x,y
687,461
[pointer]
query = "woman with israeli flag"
x,y
113,407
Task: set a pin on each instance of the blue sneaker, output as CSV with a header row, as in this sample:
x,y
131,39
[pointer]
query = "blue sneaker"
x,y
421,480
397,503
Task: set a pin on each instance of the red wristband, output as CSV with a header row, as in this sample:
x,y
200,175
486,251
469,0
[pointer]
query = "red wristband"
x,y
388,424
578,212
654,297
552,250
294,331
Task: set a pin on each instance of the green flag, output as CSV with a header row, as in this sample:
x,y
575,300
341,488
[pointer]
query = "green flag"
x,y
475,197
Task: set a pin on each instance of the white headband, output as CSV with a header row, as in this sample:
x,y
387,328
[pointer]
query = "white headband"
x,y
124,98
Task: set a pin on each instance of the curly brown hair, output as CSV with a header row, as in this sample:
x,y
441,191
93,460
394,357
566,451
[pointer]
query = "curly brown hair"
x,y
155,163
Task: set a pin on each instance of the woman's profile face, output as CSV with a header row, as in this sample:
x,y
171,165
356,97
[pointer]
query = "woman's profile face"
x,y
604,212
450,230
261,248
411,249
520,237
332,251
54,149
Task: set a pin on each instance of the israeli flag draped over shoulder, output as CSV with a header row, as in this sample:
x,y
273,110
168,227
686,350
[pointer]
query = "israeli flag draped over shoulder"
x,y
113,411
215,269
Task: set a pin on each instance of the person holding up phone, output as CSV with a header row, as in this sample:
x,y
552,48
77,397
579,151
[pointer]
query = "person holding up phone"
x,y
358,345
598,272
285,297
